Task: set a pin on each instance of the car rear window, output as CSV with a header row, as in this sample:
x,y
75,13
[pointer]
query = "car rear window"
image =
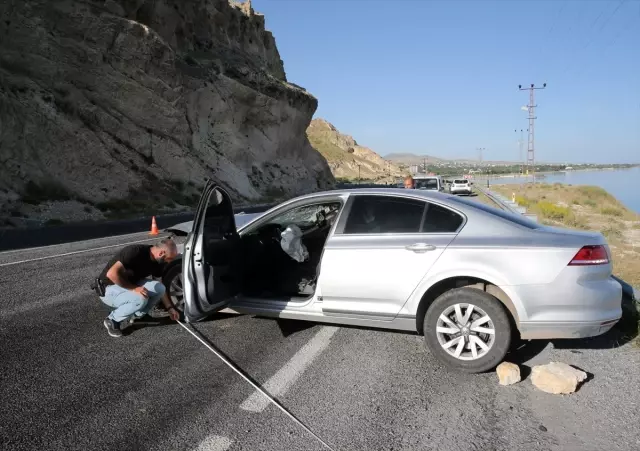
x,y
460,181
426,183
512,217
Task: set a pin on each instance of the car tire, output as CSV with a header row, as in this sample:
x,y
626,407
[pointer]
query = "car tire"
x,y
174,284
468,360
170,280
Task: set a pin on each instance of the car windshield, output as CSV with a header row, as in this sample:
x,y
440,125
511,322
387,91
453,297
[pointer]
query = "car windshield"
x,y
512,217
426,183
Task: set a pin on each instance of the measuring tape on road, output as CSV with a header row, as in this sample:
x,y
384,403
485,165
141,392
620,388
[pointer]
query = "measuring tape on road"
x,y
198,336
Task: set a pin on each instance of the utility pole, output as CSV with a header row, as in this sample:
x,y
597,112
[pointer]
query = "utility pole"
x,y
480,150
531,107
520,143
424,165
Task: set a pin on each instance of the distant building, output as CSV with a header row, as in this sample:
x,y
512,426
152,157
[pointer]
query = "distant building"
x,y
413,169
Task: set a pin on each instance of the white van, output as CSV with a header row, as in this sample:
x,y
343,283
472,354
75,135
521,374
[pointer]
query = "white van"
x,y
430,182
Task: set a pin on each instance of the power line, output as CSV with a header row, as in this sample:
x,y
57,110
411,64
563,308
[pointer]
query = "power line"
x,y
553,24
593,35
530,147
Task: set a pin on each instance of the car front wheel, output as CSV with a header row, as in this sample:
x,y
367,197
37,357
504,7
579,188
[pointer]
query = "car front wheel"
x,y
173,283
468,330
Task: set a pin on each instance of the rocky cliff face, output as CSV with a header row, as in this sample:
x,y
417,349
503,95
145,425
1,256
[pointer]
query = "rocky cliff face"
x,y
122,106
345,155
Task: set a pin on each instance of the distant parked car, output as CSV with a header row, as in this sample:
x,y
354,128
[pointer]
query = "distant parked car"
x,y
460,186
429,182
467,276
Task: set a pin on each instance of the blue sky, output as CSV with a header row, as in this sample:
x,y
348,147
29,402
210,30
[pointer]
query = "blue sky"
x,y
441,77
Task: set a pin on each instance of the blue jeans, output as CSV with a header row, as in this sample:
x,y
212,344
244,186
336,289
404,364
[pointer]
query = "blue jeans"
x,y
127,303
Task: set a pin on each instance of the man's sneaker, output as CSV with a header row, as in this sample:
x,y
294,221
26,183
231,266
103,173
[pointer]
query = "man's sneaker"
x,y
113,328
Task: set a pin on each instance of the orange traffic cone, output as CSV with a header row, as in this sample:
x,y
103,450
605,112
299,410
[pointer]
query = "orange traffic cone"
x,y
154,227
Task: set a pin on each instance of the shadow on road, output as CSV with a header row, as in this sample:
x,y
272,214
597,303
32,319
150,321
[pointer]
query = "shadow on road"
x,y
523,351
623,332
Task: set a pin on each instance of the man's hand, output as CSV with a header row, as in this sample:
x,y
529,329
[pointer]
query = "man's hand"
x,y
174,314
142,291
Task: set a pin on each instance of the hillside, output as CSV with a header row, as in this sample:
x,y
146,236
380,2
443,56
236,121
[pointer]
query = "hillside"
x,y
344,155
121,108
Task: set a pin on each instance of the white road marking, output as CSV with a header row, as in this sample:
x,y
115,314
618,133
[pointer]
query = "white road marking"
x,y
75,252
39,248
280,382
214,443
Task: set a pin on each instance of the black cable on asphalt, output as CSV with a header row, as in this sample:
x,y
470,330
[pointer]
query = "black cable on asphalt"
x,y
235,368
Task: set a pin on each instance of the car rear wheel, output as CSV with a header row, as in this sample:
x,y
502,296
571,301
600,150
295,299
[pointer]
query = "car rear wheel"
x,y
468,330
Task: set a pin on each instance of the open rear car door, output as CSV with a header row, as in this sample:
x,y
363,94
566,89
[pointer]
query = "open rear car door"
x,y
211,264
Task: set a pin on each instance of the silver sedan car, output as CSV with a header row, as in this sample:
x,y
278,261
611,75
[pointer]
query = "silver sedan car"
x,y
467,276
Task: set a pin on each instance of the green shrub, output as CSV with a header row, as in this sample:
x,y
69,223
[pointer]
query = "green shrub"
x,y
523,201
590,203
593,191
552,211
611,211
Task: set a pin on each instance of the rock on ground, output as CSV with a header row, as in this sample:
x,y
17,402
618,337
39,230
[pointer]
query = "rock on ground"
x,y
557,378
131,104
508,373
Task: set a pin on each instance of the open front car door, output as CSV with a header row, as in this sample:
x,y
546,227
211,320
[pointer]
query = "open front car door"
x,y
211,263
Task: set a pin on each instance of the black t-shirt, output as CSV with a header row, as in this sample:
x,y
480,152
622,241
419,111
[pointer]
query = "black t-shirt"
x,y
137,261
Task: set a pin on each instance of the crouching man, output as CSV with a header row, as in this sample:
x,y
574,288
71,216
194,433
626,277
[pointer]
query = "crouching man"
x,y
129,288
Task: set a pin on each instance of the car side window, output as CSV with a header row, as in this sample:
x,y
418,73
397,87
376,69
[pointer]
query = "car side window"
x,y
441,220
384,214
307,214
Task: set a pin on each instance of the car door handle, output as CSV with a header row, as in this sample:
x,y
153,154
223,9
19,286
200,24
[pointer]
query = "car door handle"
x,y
420,247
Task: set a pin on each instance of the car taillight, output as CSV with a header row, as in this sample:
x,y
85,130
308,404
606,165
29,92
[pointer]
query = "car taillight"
x,y
591,255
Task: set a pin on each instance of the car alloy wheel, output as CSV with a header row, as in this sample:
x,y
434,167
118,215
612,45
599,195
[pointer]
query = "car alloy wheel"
x,y
465,331
468,329
174,283
176,292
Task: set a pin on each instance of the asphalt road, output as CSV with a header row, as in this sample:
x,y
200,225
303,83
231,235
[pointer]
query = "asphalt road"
x,y
67,385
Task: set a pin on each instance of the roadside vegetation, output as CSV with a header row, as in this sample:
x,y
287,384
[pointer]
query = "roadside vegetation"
x,y
483,198
589,208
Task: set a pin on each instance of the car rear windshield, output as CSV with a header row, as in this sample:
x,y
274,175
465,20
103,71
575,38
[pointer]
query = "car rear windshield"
x,y
460,181
512,217
426,183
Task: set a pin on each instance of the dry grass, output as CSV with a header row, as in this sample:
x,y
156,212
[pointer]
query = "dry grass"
x,y
586,208
483,198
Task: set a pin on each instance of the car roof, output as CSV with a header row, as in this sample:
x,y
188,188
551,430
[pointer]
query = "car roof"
x,y
450,200
403,192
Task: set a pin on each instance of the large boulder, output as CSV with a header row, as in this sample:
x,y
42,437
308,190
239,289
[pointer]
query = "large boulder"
x,y
557,378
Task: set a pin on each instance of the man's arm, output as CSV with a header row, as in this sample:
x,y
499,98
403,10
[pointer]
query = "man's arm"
x,y
173,312
116,275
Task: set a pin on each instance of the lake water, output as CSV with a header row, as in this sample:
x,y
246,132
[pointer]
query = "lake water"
x,y
622,184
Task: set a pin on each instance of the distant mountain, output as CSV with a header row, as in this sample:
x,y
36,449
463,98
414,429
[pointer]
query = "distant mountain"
x,y
410,158
344,154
